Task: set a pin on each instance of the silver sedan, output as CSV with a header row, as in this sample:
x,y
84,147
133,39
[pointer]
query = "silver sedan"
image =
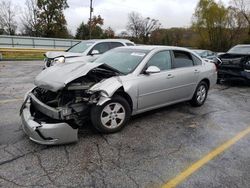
x,y
123,82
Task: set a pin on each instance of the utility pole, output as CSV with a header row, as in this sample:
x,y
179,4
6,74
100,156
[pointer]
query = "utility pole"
x,y
90,19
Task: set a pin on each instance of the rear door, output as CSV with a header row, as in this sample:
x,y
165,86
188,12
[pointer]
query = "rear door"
x,y
186,73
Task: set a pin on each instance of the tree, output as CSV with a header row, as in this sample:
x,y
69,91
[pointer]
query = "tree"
x,y
82,32
30,20
135,24
140,27
51,19
123,34
244,9
149,25
174,37
236,25
8,23
210,21
96,23
109,33
96,20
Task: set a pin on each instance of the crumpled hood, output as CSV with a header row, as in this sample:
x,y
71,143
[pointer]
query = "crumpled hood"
x,y
51,54
57,77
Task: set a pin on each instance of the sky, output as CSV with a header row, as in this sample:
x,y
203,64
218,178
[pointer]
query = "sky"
x,y
170,13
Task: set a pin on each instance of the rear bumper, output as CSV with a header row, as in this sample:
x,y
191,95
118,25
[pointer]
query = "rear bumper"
x,y
46,133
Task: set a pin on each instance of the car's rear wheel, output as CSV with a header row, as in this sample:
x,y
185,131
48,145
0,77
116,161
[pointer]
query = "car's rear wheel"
x,y
112,116
200,94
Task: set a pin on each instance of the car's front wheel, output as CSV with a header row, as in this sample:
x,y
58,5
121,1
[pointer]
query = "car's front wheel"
x,y
111,116
200,94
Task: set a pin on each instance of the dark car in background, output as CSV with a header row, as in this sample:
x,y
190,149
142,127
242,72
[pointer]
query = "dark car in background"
x,y
235,64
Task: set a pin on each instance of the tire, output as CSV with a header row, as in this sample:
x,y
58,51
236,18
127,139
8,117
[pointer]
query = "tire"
x,y
112,116
200,94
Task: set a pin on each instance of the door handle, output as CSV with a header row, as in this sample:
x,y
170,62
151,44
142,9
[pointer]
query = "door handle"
x,y
170,76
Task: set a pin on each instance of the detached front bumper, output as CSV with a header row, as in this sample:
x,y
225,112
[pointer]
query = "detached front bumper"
x,y
46,133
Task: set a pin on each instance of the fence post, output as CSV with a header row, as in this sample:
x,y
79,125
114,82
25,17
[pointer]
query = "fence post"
x,y
12,41
33,42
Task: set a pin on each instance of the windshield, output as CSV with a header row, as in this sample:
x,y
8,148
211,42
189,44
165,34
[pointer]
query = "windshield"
x,y
201,53
123,60
80,47
240,50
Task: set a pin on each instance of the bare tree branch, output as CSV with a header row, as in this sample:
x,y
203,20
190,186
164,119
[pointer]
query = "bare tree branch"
x,y
7,17
244,8
29,18
140,27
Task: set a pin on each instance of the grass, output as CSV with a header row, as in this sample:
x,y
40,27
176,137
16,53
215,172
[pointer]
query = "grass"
x,y
24,53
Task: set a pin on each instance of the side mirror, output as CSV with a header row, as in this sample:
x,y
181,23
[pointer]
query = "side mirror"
x,y
152,70
95,52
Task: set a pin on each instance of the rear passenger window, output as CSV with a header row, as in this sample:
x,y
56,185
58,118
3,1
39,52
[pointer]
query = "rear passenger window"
x,y
182,59
115,45
196,60
162,60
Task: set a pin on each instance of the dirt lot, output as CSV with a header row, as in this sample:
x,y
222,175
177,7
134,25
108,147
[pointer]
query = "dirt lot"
x,y
154,148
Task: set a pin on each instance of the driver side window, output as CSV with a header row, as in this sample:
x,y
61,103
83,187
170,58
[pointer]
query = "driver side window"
x,y
162,60
101,47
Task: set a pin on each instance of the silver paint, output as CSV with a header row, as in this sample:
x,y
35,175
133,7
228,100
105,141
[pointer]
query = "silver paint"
x,y
147,91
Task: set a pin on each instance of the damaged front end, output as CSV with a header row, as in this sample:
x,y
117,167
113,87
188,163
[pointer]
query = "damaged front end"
x,y
234,67
53,117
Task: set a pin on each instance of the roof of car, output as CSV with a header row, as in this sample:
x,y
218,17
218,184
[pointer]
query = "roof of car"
x,y
108,40
152,47
243,45
199,50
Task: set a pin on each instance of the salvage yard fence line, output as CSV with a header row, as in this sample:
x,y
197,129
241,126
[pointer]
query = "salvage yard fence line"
x,y
7,41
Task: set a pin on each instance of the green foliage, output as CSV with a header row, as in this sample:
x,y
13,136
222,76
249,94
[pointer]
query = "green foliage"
x,y
51,18
97,32
82,32
174,37
211,21
109,33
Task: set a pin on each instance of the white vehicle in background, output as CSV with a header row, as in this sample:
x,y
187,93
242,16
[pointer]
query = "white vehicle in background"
x,y
87,50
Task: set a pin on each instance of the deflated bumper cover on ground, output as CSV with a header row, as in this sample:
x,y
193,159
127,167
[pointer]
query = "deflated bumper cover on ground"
x,y
46,133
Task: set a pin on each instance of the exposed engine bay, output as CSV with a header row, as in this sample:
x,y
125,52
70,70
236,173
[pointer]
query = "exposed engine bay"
x,y
72,103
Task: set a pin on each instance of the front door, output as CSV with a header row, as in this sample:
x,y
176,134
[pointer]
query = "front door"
x,y
154,89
